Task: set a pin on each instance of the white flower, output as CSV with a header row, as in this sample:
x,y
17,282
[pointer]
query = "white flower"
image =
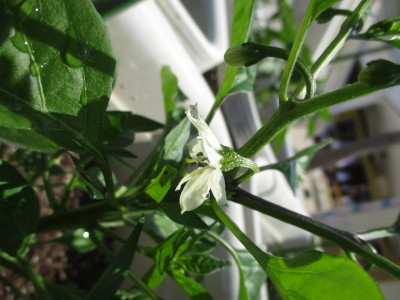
x,y
204,151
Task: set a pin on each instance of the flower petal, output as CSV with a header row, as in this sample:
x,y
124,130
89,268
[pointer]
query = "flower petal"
x,y
204,131
217,185
183,180
195,146
197,189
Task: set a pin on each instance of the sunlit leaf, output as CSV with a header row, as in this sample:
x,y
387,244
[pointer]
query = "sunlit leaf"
x,y
57,73
19,208
315,275
159,186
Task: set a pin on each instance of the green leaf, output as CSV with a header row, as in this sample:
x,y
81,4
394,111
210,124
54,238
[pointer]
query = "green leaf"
x,y
314,274
160,226
188,219
244,80
113,276
92,179
57,72
170,90
191,287
387,31
201,264
253,275
19,209
164,254
295,167
117,122
159,186
380,73
175,143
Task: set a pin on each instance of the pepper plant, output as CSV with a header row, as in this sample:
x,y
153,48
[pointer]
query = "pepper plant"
x,y
57,70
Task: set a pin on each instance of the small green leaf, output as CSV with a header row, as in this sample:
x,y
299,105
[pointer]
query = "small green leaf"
x,y
191,287
159,186
201,264
314,275
380,73
113,276
19,209
387,31
244,80
295,167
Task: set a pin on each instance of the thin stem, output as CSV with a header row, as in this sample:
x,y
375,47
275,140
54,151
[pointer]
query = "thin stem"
x,y
294,53
36,279
345,240
143,286
235,256
71,186
80,217
338,42
47,183
257,253
378,233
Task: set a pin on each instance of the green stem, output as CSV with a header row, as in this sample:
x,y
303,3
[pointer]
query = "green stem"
x,y
36,279
294,53
257,253
289,112
242,292
47,183
338,42
379,233
80,217
143,286
71,186
345,240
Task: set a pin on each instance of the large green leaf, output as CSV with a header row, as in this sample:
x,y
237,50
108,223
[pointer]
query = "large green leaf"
x,y
113,276
19,208
56,72
316,275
